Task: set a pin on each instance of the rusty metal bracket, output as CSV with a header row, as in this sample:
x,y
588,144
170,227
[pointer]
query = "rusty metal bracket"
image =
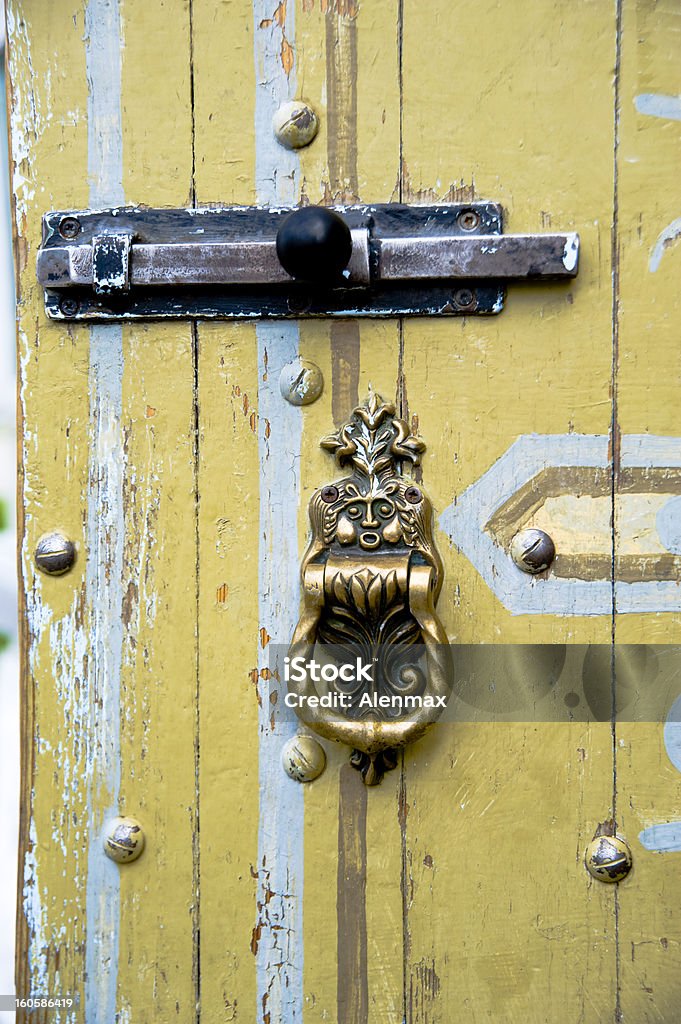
x,y
227,263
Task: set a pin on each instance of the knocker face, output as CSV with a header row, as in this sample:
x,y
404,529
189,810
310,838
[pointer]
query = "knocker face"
x,y
370,520
375,518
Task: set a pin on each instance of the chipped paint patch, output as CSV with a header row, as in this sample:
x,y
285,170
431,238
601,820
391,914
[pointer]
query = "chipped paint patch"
x,y
665,240
657,105
571,252
664,838
30,113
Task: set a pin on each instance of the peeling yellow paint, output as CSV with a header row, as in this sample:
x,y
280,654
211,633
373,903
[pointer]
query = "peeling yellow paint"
x,y
457,891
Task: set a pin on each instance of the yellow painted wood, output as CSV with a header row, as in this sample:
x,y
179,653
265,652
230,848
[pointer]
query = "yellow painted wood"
x,y
331,43
229,637
53,423
456,889
158,941
155,958
648,784
502,921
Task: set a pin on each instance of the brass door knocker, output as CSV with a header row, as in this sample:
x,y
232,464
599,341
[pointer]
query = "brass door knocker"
x,y
371,577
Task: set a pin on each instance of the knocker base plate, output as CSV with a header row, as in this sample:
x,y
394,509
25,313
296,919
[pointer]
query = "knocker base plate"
x,y
371,576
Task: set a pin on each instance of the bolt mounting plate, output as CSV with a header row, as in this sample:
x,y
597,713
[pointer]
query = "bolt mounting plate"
x,y
221,263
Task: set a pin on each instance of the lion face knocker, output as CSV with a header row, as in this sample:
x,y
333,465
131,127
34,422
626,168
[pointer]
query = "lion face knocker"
x,y
371,576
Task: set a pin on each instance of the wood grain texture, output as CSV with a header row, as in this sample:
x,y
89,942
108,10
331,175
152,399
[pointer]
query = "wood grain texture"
x,y
455,890
648,371
69,672
53,434
501,918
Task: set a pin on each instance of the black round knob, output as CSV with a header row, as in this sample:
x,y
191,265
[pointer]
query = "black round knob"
x,y
314,244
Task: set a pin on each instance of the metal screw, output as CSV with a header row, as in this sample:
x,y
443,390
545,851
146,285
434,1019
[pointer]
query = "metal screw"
x,y
69,307
301,382
532,551
466,299
299,303
468,220
295,124
329,494
413,495
69,227
303,758
123,840
54,553
608,858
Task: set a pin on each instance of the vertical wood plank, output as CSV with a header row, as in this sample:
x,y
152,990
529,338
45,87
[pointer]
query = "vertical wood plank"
x,y
497,815
304,50
53,445
648,368
108,456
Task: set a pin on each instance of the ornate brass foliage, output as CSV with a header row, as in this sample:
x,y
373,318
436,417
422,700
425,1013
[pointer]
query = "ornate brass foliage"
x,y
371,576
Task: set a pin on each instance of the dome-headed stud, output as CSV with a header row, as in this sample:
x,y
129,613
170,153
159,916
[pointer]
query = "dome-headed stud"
x,y
608,858
532,551
301,382
123,840
303,758
295,124
55,553
314,244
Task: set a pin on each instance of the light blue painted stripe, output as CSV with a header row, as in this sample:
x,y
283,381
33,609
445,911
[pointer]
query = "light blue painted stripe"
x,y
649,450
105,528
657,105
465,522
279,957
668,523
672,734
665,838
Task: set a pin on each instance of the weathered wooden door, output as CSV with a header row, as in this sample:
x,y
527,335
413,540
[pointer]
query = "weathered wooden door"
x,y
455,890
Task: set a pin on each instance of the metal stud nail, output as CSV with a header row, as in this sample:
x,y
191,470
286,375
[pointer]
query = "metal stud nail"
x,y
123,840
608,858
295,124
55,553
532,551
303,758
301,382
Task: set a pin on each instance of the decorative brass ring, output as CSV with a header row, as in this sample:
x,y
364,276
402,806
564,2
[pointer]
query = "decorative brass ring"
x,y
371,577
